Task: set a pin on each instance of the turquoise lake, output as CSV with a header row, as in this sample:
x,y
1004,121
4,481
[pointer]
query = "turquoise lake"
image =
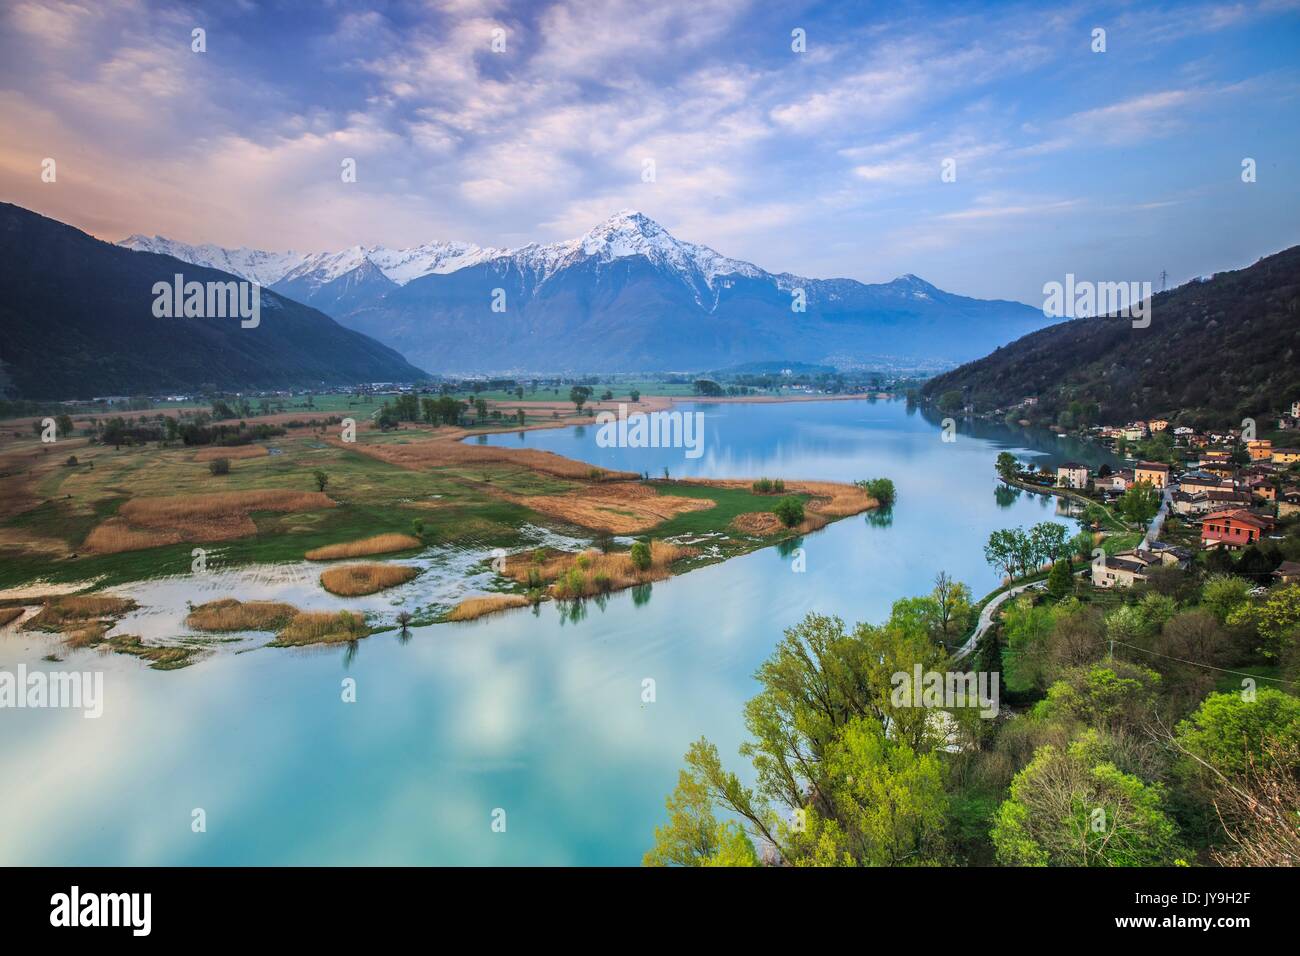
x,y
529,713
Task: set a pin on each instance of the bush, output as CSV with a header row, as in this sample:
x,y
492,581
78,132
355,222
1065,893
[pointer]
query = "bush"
x,y
641,556
219,466
763,486
72,461
882,489
790,510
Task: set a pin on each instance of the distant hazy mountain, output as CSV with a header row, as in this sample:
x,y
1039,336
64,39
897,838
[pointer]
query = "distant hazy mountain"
x,y
1217,350
77,320
625,296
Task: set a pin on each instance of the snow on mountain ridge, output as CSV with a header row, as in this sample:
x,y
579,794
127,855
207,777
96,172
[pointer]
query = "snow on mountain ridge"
x,y
625,234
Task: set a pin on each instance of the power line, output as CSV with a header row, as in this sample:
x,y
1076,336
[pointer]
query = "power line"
x,y
1225,670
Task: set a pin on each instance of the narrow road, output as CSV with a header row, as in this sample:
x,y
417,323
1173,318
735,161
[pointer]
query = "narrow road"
x,y
1153,532
986,616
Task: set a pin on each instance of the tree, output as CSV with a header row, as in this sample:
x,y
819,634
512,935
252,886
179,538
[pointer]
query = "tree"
x,y
882,489
951,401
1060,582
579,395
1081,544
63,425
953,601
641,556
321,479
790,510
1273,619
219,466
1103,696
1048,542
693,836
1228,731
634,395
1140,503
1027,629
829,746
1072,807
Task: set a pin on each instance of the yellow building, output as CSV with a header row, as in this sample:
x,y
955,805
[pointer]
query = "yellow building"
x,y
1285,456
1158,425
1260,450
1152,472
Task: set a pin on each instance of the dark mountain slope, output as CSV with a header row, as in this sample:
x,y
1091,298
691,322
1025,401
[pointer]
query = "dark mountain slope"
x,y
1217,350
76,320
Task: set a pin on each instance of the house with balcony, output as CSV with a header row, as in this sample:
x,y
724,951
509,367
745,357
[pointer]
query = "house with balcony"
x,y
1154,473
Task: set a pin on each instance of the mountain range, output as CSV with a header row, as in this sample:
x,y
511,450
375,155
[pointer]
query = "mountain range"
x,y
1218,350
625,296
77,320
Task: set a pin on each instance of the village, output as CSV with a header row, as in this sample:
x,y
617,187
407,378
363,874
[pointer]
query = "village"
x,y
1211,495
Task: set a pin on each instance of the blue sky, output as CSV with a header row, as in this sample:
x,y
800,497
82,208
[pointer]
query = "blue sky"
x,y
1112,166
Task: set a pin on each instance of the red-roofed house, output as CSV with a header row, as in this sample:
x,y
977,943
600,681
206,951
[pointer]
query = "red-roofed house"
x,y
1235,528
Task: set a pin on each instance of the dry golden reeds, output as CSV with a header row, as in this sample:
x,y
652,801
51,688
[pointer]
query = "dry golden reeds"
x,y
229,614
351,580
323,627
379,544
471,608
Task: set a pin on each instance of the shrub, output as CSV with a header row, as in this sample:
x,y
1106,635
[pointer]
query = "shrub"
x,y
763,486
219,466
882,489
790,510
778,486
641,556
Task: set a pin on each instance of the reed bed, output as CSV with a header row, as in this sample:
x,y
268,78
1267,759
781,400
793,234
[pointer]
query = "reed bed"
x,y
229,614
443,449
351,580
73,611
116,535
378,544
591,572
323,627
475,607
10,614
222,516
625,508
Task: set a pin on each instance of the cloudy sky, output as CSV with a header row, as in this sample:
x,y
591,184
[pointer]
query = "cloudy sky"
x,y
825,162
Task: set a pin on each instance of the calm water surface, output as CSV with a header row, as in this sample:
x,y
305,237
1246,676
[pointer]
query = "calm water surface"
x,y
528,713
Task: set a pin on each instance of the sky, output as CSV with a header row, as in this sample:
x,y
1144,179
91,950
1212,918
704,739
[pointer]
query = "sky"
x,y
502,123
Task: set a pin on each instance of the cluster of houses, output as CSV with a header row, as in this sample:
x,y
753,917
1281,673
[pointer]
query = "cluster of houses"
x,y
1236,505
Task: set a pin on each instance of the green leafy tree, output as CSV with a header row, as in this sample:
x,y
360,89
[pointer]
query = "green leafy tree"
x,y
1026,659
321,479
579,395
693,835
1274,619
641,556
1007,465
790,510
1072,807
1229,730
1224,593
1139,503
815,687
1060,582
